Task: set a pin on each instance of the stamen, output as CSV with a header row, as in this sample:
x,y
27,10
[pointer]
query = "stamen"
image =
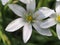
x,y
58,18
29,18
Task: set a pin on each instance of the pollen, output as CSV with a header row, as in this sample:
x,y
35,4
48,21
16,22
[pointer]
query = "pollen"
x,y
29,18
58,18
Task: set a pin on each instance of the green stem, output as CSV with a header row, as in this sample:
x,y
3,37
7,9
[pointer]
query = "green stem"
x,y
0,9
45,3
40,4
53,32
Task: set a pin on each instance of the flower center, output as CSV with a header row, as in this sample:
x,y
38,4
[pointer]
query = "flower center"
x,y
29,18
58,18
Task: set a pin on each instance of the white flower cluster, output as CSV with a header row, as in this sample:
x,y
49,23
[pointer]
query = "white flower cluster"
x,y
30,18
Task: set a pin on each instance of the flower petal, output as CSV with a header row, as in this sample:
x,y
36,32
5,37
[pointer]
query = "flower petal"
x,y
57,0
58,7
44,12
31,6
4,1
18,10
42,31
48,23
58,30
27,31
15,25
26,1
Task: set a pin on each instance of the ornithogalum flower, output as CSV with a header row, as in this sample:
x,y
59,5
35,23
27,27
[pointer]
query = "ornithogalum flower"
x,y
54,19
4,1
29,18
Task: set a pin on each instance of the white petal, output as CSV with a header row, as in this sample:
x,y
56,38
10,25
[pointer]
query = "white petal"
x,y
27,31
38,15
57,3
57,0
53,16
58,30
42,31
48,23
44,12
4,1
18,10
58,7
26,1
31,6
15,25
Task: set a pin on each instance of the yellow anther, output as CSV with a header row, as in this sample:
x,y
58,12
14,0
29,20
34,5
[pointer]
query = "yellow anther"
x,y
58,18
29,18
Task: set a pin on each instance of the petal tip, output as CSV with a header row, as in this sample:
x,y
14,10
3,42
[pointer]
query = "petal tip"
x,y
49,35
25,41
8,30
59,37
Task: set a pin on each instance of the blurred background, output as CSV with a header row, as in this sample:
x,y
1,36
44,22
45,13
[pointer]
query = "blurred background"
x,y
15,38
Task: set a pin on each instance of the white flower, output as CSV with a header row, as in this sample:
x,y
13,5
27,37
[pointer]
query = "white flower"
x,y
28,19
54,19
4,1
